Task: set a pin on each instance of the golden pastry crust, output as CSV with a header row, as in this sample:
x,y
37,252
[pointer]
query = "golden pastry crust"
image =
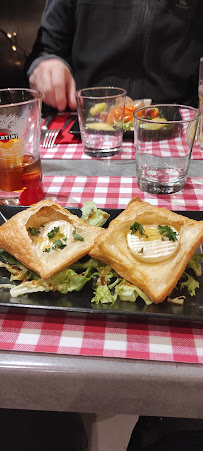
x,y
157,280
15,239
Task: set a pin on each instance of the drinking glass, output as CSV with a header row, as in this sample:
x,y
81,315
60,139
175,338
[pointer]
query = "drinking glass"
x,y
164,137
200,92
101,114
20,164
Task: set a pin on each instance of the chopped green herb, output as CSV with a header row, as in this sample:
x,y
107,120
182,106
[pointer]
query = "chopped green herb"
x,y
53,232
61,235
47,249
141,251
76,236
58,244
168,232
33,231
137,227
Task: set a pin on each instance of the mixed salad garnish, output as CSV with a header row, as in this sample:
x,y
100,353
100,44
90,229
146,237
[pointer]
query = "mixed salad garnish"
x,y
107,285
103,118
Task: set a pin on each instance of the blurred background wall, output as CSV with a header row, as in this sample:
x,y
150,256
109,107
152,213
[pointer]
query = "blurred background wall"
x,y
23,18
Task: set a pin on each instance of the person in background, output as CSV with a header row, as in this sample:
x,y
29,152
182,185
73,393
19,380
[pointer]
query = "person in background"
x,y
166,434
151,48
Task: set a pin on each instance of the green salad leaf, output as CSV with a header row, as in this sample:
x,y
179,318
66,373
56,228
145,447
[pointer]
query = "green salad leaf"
x,y
128,126
129,292
195,264
190,283
103,295
8,258
64,281
107,284
93,215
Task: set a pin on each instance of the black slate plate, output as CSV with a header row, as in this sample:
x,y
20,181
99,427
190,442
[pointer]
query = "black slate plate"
x,y
79,302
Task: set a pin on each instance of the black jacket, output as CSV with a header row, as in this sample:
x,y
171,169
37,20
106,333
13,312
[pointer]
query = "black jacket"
x,y
149,47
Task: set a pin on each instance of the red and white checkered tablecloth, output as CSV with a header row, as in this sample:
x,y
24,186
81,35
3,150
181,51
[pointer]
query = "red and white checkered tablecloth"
x,y
75,152
98,334
116,192
101,335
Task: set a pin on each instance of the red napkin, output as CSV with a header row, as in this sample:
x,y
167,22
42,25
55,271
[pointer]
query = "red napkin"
x,y
64,137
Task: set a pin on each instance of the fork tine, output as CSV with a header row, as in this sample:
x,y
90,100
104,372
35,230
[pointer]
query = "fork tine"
x,y
50,138
54,138
46,138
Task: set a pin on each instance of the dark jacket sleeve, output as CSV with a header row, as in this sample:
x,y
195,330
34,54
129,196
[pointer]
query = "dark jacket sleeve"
x,y
55,35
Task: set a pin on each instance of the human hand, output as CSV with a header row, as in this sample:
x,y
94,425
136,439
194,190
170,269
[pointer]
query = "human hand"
x,y
55,82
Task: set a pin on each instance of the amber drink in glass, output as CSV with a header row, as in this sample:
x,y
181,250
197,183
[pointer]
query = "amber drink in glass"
x,y
20,164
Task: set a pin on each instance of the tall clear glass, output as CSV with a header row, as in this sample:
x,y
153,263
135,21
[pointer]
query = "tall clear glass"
x,y
20,164
101,115
164,138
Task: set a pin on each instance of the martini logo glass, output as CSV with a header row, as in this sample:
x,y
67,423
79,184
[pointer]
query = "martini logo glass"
x,y
4,137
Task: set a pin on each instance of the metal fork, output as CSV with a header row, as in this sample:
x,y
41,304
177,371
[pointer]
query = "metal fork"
x,y
45,127
50,138
51,134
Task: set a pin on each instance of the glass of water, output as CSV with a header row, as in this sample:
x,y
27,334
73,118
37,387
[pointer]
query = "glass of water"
x,y
101,114
164,136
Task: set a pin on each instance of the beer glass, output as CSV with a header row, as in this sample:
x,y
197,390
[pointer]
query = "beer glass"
x,y
20,164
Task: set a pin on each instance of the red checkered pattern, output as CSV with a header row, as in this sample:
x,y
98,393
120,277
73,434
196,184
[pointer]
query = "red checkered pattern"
x,y
98,334
116,192
75,152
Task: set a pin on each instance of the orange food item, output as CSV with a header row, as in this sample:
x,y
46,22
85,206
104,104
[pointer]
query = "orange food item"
x,y
152,112
115,115
128,117
130,108
140,113
148,113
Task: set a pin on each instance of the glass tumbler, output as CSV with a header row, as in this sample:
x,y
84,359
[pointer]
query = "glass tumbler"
x,y
164,137
101,115
20,164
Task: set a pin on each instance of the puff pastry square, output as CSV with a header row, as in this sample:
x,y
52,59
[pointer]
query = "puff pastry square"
x,y
16,239
158,279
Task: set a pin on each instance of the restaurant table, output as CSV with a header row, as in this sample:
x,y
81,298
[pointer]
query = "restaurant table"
x,y
101,384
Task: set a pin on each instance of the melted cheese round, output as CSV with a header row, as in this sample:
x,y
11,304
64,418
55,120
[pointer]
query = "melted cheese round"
x,y
152,247
42,240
